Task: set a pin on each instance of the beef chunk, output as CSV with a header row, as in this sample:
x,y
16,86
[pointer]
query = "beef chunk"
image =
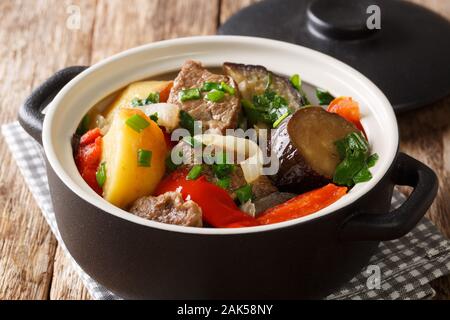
x,y
168,208
220,115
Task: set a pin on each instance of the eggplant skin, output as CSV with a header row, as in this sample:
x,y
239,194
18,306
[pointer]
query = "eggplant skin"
x,y
305,145
294,174
252,80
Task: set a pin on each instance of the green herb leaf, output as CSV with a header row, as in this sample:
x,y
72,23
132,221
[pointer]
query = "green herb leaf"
x,y
100,175
363,175
372,160
224,183
144,158
244,193
215,95
221,167
84,125
137,123
266,108
190,94
227,88
195,172
354,153
269,81
324,97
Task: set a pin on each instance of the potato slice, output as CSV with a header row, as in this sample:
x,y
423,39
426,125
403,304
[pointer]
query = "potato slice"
x,y
139,90
125,180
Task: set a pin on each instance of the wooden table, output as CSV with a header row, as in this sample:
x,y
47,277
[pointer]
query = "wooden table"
x,y
36,39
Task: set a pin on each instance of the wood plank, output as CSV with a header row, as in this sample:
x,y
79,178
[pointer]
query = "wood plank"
x,y
121,25
31,32
66,284
112,32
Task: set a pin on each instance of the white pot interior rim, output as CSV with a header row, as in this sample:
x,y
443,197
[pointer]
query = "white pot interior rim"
x,y
97,82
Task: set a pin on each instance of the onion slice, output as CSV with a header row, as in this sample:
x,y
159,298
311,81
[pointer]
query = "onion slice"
x,y
168,114
252,165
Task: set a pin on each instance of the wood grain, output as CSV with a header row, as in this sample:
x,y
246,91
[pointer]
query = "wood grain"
x,y
35,42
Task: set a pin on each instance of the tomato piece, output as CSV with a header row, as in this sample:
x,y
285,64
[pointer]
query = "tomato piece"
x,y
348,109
88,158
303,205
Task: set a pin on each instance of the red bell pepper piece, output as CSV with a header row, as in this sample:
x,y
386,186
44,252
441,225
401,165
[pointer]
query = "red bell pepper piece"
x,y
303,205
88,157
348,109
218,208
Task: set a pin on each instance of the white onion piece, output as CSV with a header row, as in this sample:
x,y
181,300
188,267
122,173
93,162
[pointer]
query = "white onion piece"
x,y
252,165
168,114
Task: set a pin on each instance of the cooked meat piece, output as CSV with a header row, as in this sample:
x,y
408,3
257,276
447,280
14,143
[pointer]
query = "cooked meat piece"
x,y
272,200
253,80
168,208
214,115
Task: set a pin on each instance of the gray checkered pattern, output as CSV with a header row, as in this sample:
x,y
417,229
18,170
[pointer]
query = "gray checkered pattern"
x,y
406,265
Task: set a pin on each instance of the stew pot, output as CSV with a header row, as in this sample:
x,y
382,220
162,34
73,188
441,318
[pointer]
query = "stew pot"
x,y
307,257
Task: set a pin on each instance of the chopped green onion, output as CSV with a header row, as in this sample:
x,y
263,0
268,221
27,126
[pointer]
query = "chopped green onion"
x,y
100,175
215,95
144,158
190,94
84,125
324,97
137,123
372,160
296,82
280,120
224,183
187,121
221,168
136,102
244,193
154,117
227,88
195,172
153,97
208,86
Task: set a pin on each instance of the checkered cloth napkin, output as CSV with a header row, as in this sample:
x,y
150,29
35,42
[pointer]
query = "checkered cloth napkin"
x,y
406,266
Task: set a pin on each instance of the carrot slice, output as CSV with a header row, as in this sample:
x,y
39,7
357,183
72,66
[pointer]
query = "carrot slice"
x,y
348,109
303,205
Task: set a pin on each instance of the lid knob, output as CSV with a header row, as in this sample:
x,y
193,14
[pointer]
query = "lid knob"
x,y
340,19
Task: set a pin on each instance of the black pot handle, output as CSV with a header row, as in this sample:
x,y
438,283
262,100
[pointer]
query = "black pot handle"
x,y
388,226
31,117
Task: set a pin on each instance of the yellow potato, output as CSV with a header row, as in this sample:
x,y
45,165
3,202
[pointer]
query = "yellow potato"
x,y
125,180
139,90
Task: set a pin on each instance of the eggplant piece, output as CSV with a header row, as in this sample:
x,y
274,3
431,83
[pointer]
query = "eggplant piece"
x,y
305,145
254,80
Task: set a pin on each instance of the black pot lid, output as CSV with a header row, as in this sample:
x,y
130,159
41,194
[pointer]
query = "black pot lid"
x,y
408,58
